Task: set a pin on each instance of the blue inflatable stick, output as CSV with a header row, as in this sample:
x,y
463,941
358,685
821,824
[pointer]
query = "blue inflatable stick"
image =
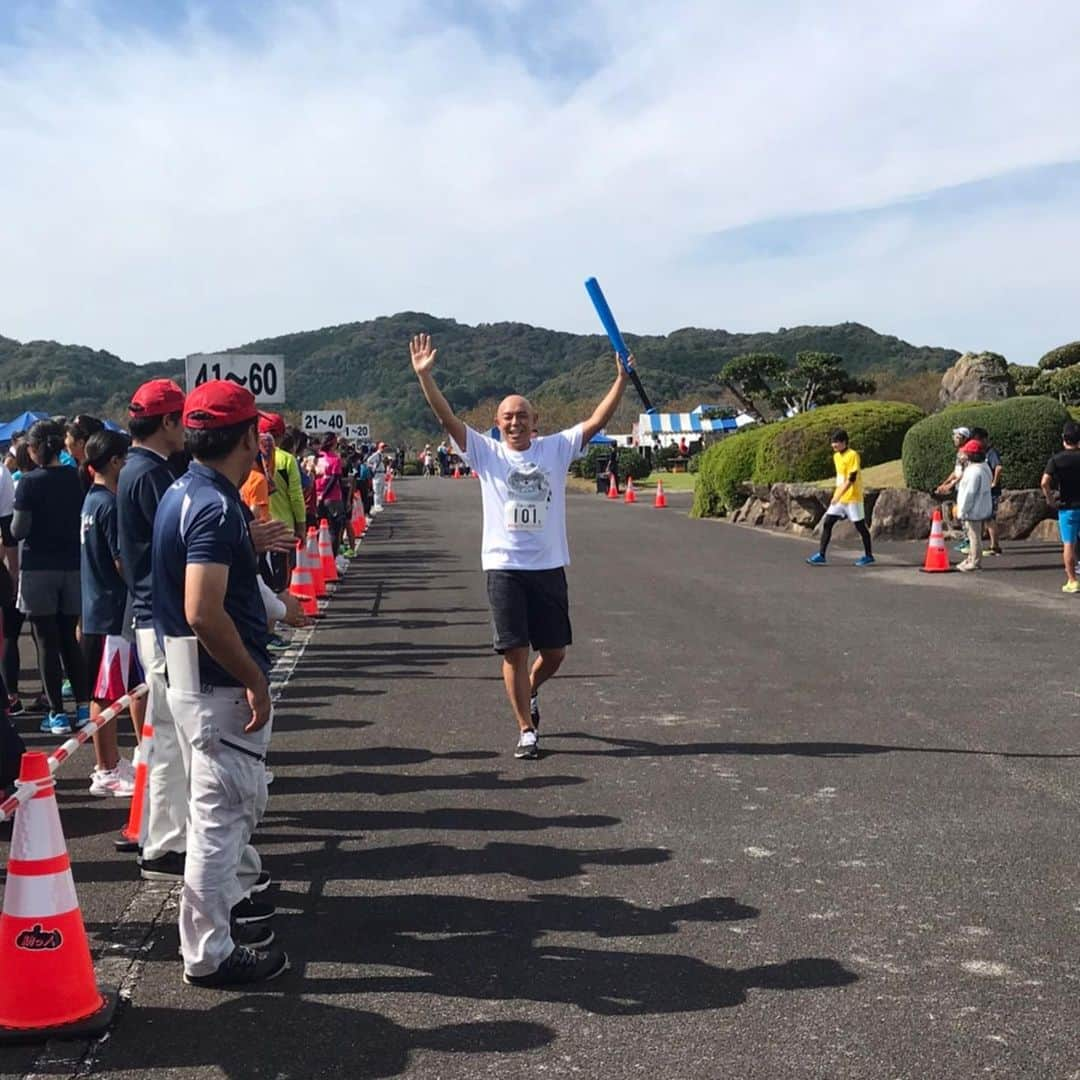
x,y
611,328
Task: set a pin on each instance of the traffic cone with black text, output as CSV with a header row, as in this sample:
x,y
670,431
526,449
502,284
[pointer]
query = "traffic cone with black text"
x,y
660,502
631,494
326,552
613,487
48,988
937,555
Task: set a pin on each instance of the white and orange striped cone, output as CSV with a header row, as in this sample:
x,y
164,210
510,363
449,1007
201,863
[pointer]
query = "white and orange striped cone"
x,y
613,487
48,988
302,585
631,493
660,502
359,522
314,563
457,473
326,552
389,496
937,555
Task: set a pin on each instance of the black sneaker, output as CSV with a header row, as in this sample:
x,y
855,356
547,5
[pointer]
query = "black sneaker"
x,y
15,707
243,966
527,745
167,867
534,713
251,937
40,704
262,882
252,911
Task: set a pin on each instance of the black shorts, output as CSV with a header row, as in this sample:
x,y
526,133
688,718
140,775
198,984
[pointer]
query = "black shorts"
x,y
529,607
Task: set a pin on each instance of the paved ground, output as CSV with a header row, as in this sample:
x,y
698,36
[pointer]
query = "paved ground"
x,y
789,823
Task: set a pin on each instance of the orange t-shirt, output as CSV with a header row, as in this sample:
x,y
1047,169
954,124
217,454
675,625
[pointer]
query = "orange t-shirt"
x,y
255,494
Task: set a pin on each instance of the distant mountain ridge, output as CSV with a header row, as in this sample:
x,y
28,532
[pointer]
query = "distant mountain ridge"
x,y
367,363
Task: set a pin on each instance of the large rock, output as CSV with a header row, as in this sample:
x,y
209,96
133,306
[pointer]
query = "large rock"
x,y
1019,512
976,377
806,505
900,514
776,516
1046,530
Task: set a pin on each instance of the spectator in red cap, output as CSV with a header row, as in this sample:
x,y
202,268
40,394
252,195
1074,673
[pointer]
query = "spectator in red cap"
x,y
154,420
210,615
974,503
287,498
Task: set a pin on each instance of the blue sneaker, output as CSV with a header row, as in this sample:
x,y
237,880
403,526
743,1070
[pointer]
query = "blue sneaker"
x,y
58,724
865,560
82,717
817,559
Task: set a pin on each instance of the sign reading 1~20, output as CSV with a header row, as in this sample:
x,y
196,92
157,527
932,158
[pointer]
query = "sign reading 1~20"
x,y
264,376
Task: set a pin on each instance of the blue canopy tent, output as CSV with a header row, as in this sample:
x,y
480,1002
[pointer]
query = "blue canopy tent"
x,y
112,425
600,439
689,424
22,422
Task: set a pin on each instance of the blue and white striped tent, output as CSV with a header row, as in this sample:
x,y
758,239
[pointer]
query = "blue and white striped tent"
x,y
689,424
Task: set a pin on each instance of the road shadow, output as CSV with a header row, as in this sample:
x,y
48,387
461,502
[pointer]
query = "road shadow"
x,y
274,1033
374,783
646,748
375,755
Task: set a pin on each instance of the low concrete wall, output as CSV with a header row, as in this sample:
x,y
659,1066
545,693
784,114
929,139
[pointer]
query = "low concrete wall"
x,y
893,513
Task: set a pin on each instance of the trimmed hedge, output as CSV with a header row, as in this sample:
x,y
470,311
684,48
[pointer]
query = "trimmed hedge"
x,y
798,450
631,463
1025,430
723,467
1061,357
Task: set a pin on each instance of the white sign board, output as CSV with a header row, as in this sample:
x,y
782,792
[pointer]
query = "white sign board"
x,y
315,423
357,432
264,376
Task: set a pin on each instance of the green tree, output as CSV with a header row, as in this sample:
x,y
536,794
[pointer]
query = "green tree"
x,y
1061,357
1064,384
818,378
752,378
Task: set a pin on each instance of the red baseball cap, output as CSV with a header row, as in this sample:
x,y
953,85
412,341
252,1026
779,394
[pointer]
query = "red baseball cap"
x,y
217,404
158,397
271,423
972,446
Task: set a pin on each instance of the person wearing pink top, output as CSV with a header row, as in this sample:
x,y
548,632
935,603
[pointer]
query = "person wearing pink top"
x,y
329,494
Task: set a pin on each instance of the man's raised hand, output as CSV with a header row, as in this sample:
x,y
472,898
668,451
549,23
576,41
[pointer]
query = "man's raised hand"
x,y
422,353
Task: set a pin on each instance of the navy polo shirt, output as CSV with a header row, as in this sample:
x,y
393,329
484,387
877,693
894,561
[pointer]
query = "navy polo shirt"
x,y
104,595
144,479
201,520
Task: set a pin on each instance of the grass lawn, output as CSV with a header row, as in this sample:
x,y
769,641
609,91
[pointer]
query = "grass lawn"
x,y
672,482
890,474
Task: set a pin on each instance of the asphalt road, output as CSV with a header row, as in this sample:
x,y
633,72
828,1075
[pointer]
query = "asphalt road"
x,y
788,823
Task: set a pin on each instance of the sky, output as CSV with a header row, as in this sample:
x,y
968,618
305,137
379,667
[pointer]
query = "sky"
x,y
183,176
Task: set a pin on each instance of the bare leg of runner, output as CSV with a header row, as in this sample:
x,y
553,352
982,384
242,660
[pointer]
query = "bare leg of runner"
x,y
546,664
515,669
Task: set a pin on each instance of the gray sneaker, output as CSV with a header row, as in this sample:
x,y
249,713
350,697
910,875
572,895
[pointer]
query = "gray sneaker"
x,y
527,746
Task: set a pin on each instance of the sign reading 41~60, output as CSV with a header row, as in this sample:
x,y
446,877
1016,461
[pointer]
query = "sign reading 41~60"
x,y
264,376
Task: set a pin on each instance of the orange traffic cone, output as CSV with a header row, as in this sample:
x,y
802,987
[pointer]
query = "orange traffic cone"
x,y
660,502
613,487
359,522
937,556
631,494
389,498
457,473
132,833
302,585
314,563
48,989
326,552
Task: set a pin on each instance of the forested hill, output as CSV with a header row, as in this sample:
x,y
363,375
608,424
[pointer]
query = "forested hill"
x,y
367,363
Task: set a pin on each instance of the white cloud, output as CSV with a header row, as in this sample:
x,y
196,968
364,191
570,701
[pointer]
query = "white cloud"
x,y
165,194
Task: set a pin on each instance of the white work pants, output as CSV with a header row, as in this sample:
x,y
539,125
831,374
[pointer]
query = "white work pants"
x,y
167,787
228,797
379,484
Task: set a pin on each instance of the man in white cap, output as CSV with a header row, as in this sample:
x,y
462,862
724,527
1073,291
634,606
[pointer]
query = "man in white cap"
x,y
960,435
376,462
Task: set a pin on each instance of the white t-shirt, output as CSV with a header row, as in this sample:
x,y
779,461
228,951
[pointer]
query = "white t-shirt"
x,y
524,494
7,492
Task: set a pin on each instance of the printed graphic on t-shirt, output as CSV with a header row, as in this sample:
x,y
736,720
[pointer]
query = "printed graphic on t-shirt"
x,y
530,494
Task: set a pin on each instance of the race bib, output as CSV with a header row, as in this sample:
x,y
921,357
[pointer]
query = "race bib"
x,y
525,516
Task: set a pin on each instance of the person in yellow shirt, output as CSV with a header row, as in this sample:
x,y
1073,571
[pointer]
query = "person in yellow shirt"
x,y
847,500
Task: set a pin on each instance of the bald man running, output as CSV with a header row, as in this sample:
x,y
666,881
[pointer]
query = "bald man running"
x,y
524,552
